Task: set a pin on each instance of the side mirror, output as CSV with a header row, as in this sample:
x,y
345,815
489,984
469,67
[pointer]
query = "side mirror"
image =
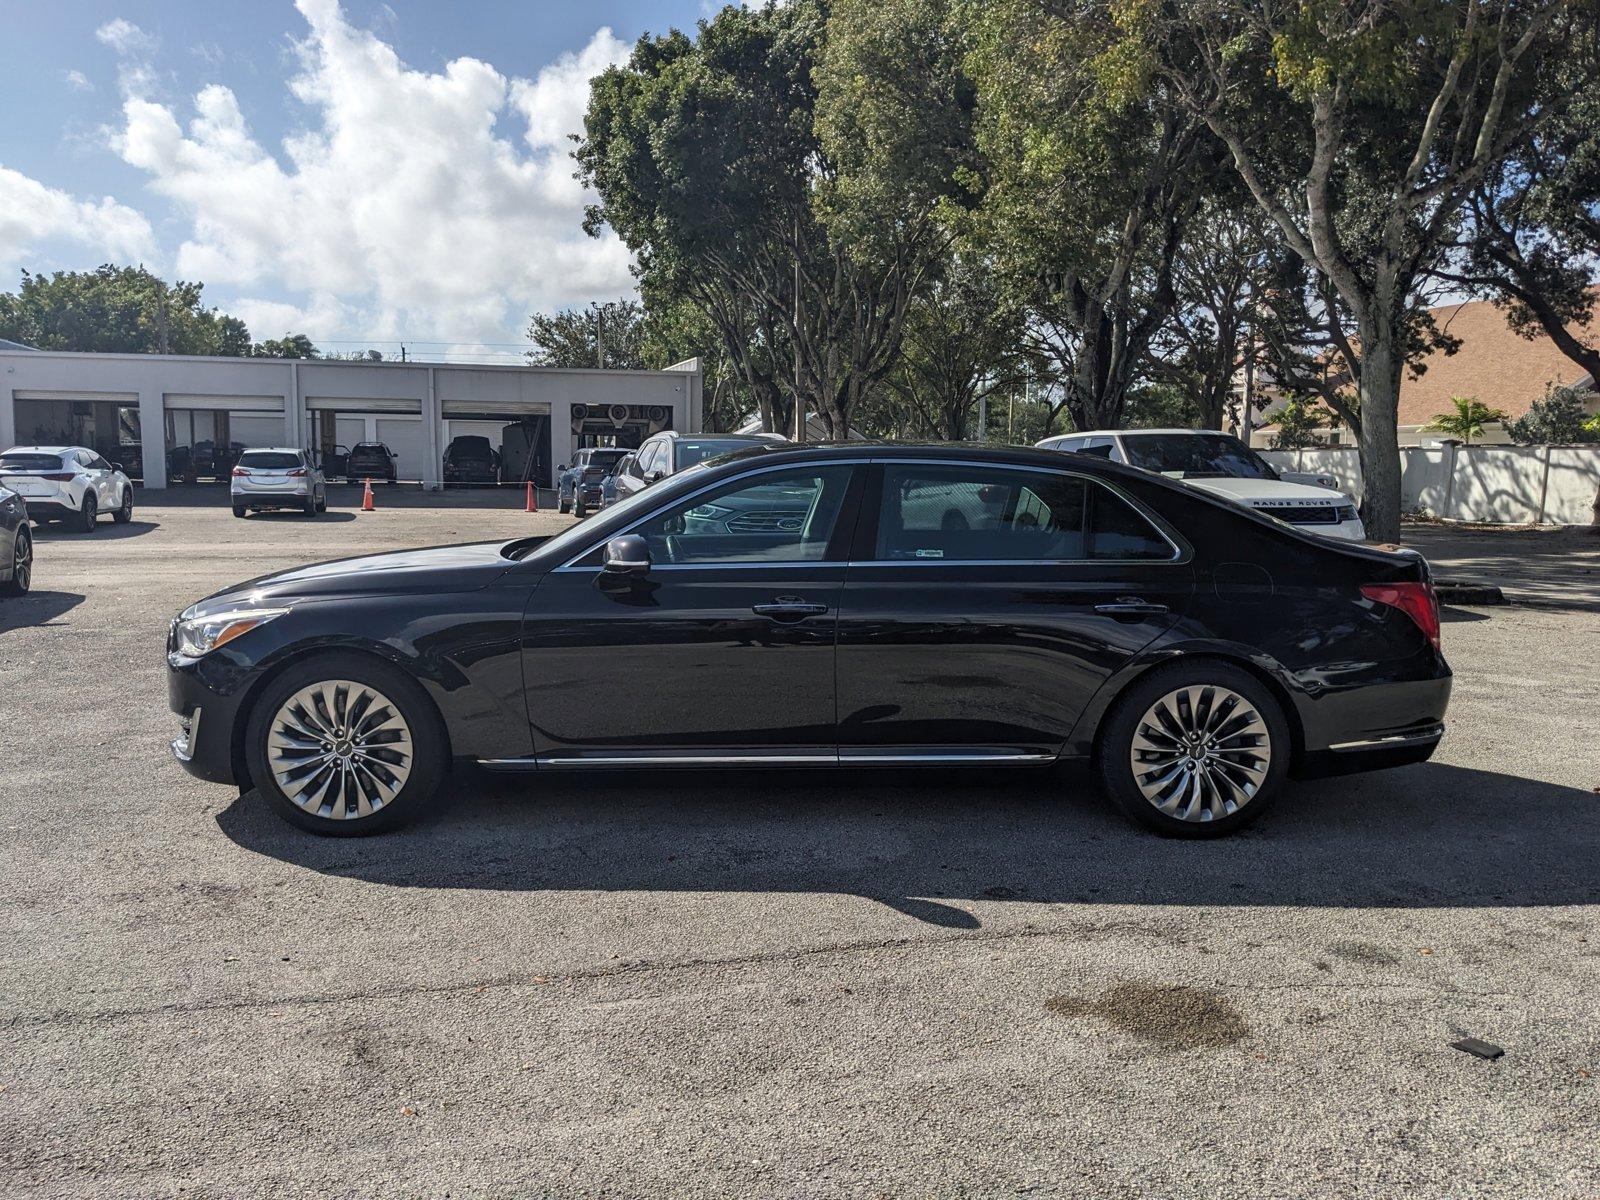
x,y
626,555
655,476
562,467
116,466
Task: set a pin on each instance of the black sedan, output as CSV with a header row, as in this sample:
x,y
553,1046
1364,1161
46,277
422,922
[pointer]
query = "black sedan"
x,y
931,605
16,545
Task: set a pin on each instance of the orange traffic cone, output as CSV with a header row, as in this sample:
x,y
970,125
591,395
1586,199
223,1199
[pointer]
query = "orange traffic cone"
x,y
366,500
533,499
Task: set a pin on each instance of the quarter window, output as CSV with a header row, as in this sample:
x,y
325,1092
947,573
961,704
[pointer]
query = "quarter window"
x,y
975,514
783,516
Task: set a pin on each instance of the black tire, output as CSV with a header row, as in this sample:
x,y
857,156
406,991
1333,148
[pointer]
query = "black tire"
x,y
311,505
565,506
1115,749
239,510
124,512
430,746
89,514
322,504
21,565
580,509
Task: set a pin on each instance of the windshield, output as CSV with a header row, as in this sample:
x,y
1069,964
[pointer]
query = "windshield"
x,y
1195,456
30,462
614,516
696,450
268,460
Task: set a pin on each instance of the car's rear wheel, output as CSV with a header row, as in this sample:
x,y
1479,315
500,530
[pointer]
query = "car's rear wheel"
x,y
124,512
21,565
238,510
1194,750
310,505
89,514
346,745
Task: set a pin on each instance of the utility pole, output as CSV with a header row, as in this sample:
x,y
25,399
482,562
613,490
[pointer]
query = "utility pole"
x,y
799,400
402,352
600,335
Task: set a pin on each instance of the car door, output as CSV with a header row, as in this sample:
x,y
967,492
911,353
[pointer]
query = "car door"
x,y
726,645
97,472
986,604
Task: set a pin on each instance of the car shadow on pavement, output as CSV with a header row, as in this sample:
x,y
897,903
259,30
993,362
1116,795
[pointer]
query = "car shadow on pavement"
x,y
105,531
36,608
1431,835
295,516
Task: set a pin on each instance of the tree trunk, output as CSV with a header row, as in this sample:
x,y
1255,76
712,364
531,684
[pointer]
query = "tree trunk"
x,y
1379,392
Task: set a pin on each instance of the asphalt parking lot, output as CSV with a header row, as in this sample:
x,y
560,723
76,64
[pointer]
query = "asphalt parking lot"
x,y
782,984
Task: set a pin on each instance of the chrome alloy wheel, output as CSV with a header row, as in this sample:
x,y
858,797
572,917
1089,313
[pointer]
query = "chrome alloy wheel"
x,y
1200,752
339,749
22,563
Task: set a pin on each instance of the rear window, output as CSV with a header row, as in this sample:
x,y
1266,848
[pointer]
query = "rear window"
x,y
471,447
607,458
694,450
30,462
270,460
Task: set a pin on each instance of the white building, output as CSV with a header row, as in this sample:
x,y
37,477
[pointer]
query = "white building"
x,y
150,411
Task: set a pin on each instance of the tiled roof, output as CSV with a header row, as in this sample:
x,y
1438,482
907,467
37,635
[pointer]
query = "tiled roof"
x,y
1494,365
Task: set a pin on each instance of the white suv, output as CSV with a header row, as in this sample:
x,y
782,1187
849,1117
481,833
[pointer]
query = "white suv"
x,y
1224,466
278,477
67,483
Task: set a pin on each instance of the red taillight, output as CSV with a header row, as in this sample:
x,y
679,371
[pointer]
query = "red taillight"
x,y
297,471
1416,600
58,477
240,473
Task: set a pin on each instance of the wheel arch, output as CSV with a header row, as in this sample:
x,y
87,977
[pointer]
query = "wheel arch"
x,y
258,688
1086,738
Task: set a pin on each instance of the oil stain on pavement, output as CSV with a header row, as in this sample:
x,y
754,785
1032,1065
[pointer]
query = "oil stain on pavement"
x,y
1172,1018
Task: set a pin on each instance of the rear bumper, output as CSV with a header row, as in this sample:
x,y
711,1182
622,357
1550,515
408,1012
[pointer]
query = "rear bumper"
x,y
1370,728
41,508
272,499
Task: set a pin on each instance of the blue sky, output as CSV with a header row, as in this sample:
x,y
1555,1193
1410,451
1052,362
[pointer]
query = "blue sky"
x,y
353,171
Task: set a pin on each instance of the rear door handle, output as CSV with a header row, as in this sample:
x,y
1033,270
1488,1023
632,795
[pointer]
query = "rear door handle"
x,y
1131,606
789,607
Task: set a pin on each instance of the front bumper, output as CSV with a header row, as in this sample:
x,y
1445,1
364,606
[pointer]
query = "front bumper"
x,y
207,694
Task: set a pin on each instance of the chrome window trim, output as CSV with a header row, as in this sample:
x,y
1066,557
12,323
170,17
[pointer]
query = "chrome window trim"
x,y
1181,551
569,565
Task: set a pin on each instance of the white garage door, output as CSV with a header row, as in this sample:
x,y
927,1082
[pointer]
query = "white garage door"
x,y
407,440
251,430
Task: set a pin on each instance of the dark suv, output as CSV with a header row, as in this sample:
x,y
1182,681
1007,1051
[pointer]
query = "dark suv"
x,y
578,485
370,460
471,459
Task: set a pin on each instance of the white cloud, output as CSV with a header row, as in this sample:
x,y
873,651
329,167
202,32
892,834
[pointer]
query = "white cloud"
x,y
78,81
123,36
32,215
401,208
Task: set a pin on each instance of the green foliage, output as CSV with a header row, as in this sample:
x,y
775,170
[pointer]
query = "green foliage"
x,y
1298,421
1161,406
1561,416
1467,419
573,337
117,310
291,345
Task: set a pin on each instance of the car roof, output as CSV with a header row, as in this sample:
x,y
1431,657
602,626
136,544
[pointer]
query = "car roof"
x,y
272,450
45,449
974,452
1138,433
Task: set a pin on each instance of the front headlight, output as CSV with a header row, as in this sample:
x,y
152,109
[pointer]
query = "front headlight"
x,y
708,512
196,636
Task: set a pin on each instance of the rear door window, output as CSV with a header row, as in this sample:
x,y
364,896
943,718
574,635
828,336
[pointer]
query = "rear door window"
x,y
970,513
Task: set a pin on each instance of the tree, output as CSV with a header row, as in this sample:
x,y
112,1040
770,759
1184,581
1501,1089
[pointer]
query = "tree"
x,y
118,310
1094,173
1531,233
729,166
353,355
960,346
1467,421
1298,421
1361,128
1561,416
290,345
575,337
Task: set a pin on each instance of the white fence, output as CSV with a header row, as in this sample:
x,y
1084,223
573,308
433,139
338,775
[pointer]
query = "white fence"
x,y
1501,485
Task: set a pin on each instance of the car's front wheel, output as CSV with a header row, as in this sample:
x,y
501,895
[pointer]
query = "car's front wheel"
x,y
1194,750
21,565
124,512
346,745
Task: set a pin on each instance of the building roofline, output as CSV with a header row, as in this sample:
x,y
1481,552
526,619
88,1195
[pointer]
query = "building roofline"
x,y
413,364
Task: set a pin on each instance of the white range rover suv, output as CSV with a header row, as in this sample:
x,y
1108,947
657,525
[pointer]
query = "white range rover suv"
x,y
67,483
1224,466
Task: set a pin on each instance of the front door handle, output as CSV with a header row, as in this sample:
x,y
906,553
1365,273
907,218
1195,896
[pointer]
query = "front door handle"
x,y
1131,606
789,608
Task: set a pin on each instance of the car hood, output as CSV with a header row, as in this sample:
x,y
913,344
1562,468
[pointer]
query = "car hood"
x,y
1268,491
461,568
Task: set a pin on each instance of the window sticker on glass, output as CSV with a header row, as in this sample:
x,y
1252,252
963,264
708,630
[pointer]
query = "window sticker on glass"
x,y
925,553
